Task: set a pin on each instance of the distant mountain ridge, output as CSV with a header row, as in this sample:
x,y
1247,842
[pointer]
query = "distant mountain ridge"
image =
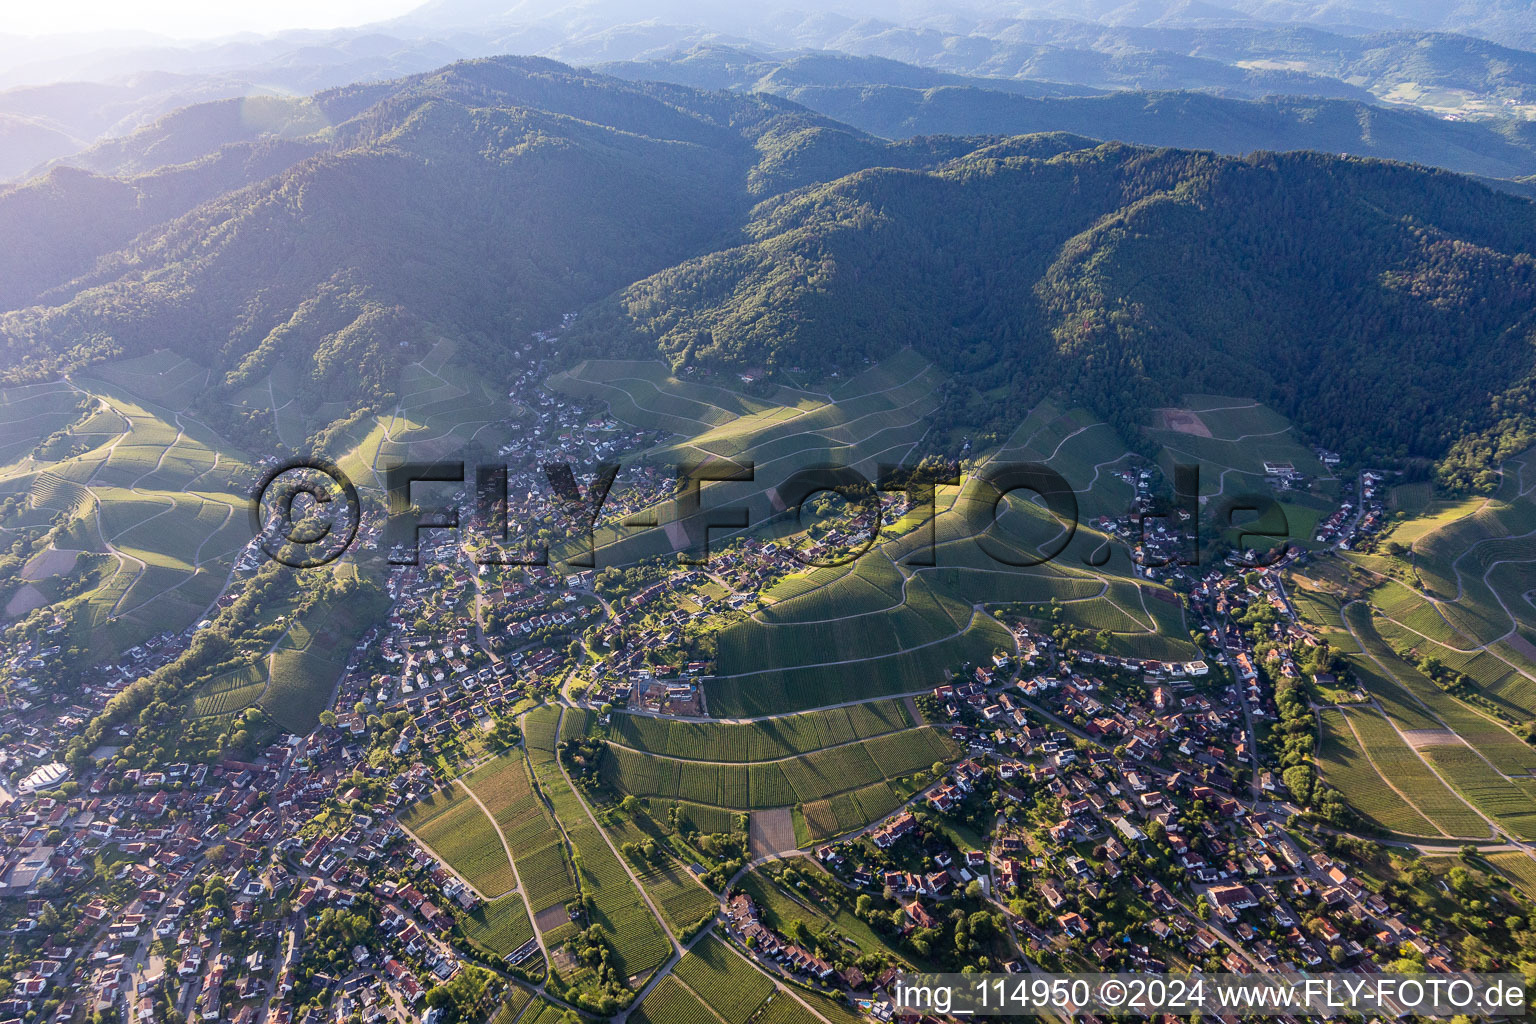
x,y
1371,53
896,100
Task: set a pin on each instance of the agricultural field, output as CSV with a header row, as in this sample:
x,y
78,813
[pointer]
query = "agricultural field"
x,y
1470,774
500,925
800,779
700,817
1475,559
637,940
309,659
1519,867
1418,698
835,1011
1428,514
1394,759
574,723
538,850
783,1009
458,832
756,692
541,730
846,812
734,988
1500,687
922,618
682,898
153,496
877,416
1230,439
865,586
895,626
1347,768
31,413
155,502
230,692
757,741
1468,636
439,405
671,1003
512,1004
1394,701
542,1011
826,909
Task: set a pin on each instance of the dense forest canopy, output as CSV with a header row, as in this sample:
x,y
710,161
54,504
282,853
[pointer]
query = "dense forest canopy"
x,y
1385,308
1129,277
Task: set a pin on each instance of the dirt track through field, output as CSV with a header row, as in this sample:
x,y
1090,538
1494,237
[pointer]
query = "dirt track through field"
x,y
550,918
1184,421
28,598
1522,645
771,832
1418,739
51,562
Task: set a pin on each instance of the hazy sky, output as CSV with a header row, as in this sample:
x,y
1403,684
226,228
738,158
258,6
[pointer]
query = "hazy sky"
x,y
190,17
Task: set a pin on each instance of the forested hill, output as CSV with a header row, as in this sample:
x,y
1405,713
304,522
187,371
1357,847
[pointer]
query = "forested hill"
x,y
1187,120
1380,306
477,203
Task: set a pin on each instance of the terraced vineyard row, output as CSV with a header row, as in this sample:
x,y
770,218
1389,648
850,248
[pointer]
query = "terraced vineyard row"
x,y
735,988
814,776
1346,768
1398,762
542,867
460,833
757,741
1496,797
636,938
671,1003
